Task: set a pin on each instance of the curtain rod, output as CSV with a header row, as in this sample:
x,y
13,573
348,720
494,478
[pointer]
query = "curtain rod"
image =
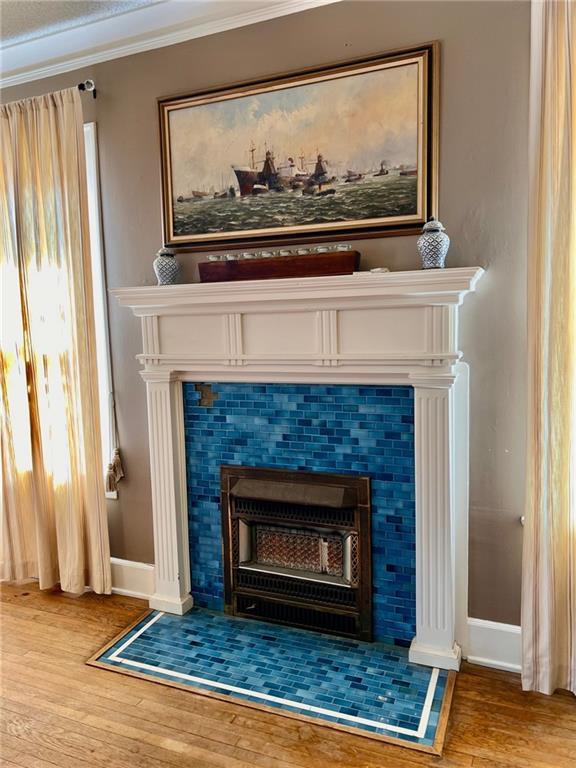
x,y
88,85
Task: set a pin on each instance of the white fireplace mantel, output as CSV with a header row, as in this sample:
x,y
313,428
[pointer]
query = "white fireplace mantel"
x,y
373,328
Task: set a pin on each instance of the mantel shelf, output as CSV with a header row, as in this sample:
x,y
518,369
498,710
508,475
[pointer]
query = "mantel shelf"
x,y
442,286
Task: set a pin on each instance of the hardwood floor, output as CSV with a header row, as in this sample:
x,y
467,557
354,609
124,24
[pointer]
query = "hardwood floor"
x,y
56,711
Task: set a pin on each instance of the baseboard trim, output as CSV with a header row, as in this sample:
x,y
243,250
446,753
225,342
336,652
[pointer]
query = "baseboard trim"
x,y
132,579
492,644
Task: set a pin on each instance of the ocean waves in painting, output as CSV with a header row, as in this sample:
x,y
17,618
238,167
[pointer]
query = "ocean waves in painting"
x,y
370,199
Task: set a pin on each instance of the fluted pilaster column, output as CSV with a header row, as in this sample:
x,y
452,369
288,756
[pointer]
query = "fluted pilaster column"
x,y
169,502
434,643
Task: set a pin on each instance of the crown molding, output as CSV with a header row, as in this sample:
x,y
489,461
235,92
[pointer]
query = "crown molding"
x,y
144,29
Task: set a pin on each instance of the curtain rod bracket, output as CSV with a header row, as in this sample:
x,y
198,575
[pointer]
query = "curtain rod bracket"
x,y
88,85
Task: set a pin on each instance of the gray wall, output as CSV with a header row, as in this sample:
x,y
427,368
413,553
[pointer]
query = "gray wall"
x,y
483,204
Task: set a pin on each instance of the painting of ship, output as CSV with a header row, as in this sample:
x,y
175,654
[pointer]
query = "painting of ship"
x,y
383,169
352,176
335,151
274,179
291,177
196,194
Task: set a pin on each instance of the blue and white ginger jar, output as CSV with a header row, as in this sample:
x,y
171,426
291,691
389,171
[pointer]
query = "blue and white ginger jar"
x,y
166,267
433,245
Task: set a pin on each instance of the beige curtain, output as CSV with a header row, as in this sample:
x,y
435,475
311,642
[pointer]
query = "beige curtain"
x,y
53,518
549,567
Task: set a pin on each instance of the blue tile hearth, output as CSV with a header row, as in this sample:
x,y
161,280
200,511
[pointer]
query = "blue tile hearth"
x,y
358,430
365,686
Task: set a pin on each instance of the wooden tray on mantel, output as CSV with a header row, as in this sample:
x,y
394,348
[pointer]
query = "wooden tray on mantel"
x,y
274,267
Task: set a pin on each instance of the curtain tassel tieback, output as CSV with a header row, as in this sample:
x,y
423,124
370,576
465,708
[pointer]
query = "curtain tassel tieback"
x,y
117,465
115,472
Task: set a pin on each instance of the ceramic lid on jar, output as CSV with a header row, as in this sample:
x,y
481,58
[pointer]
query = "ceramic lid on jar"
x,y
433,226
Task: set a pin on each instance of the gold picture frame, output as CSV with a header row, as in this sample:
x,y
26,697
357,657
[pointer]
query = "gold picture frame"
x,y
346,151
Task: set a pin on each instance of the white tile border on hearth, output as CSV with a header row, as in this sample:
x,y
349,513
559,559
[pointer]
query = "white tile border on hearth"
x,y
132,579
418,733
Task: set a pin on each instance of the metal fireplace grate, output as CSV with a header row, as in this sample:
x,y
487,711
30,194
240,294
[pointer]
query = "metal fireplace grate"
x,y
295,513
297,548
311,591
297,615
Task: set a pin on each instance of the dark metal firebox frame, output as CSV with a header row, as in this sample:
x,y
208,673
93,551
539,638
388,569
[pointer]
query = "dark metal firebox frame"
x,y
312,604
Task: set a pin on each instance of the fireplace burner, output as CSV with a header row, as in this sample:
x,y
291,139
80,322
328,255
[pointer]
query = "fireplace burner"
x,y
297,548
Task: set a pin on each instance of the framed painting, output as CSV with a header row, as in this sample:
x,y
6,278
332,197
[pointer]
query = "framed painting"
x,y
346,151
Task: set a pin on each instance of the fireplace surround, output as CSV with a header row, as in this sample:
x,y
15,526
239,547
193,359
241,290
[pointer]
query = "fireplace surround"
x,y
344,429
396,329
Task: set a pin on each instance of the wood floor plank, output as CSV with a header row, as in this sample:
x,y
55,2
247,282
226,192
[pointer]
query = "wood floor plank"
x,y
30,752
46,676
116,727
102,748
82,706
77,627
56,711
91,608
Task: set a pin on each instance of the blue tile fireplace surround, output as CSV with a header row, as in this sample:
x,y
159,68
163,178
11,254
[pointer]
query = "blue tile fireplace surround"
x,y
358,430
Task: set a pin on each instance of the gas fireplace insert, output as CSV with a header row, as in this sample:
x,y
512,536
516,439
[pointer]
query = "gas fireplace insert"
x,y
297,548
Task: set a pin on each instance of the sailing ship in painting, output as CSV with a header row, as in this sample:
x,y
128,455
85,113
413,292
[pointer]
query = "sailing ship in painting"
x,y
286,177
291,177
314,189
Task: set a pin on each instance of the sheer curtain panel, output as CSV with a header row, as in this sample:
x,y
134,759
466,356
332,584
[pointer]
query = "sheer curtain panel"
x,y
54,524
549,566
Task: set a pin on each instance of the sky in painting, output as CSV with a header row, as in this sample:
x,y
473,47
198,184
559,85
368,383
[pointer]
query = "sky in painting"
x,y
355,122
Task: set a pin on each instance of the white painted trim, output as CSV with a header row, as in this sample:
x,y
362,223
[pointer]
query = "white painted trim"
x,y
176,605
143,29
416,288
131,578
419,733
169,496
460,476
212,331
434,438
492,644
430,656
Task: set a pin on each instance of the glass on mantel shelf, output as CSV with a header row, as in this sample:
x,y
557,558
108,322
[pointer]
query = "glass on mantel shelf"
x,y
300,250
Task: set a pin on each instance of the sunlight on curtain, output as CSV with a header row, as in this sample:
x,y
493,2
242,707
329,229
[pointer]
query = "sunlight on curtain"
x,y
549,564
54,524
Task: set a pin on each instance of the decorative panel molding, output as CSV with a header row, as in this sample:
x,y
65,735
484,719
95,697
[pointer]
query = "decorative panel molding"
x,y
373,328
207,335
368,331
280,333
